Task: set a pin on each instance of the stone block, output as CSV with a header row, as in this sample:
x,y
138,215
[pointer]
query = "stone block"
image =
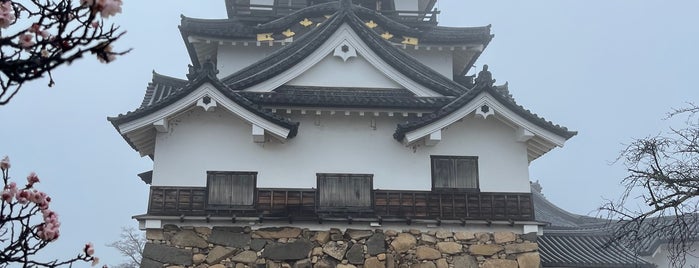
x,y
335,249
297,250
376,244
278,232
374,262
426,239
403,242
154,234
229,237
464,236
322,237
521,248
450,248
529,260
465,261
218,253
188,238
441,234
355,255
247,257
358,234
167,254
485,250
427,253
442,263
499,263
504,237
198,258
257,244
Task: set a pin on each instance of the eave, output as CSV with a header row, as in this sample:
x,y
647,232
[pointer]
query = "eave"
x,y
139,127
540,136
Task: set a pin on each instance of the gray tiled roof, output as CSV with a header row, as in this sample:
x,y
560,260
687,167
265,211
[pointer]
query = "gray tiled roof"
x,y
345,97
466,98
579,249
203,75
288,56
557,218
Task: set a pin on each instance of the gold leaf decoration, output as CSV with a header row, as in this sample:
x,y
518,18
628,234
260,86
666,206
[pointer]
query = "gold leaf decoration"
x,y
371,24
410,40
386,35
288,33
306,22
265,37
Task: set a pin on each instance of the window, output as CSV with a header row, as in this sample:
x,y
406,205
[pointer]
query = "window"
x,y
230,189
454,173
344,191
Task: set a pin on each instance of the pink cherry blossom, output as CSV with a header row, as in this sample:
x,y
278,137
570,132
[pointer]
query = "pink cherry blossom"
x,y
7,14
23,196
32,178
7,196
26,40
95,261
109,7
89,249
5,162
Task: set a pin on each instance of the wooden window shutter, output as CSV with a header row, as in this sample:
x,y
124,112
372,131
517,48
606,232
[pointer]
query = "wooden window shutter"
x,y
230,189
454,173
345,190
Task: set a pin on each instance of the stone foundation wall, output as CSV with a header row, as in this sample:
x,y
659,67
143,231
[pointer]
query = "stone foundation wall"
x,y
292,247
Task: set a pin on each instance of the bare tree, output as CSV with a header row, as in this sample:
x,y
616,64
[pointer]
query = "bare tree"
x,y
130,245
37,36
663,176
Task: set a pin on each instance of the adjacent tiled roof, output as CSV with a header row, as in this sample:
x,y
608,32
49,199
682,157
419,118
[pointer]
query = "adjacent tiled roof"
x,y
464,99
160,87
204,75
345,97
557,218
580,249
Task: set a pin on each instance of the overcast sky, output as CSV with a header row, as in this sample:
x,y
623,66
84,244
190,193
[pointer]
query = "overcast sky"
x,y
610,70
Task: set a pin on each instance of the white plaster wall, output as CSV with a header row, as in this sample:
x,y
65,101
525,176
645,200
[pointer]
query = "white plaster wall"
x,y
231,59
405,5
332,71
199,141
660,257
440,61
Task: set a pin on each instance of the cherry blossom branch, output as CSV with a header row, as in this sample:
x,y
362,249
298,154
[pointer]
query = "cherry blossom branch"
x,y
22,236
58,33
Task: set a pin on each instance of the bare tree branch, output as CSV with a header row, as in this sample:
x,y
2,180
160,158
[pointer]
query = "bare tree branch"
x,y
663,173
51,34
130,245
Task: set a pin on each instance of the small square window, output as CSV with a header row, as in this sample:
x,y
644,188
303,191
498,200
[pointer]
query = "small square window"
x,y
230,189
454,173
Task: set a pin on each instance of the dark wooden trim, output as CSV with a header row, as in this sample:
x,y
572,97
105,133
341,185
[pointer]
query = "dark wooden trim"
x,y
301,203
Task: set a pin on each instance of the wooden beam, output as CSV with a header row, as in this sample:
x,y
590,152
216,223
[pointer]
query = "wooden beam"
x,y
433,138
161,125
524,134
258,134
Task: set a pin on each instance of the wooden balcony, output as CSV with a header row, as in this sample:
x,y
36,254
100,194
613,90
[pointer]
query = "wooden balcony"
x,y
301,204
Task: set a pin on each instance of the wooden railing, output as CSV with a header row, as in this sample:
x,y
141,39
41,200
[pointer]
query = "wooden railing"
x,y
387,204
